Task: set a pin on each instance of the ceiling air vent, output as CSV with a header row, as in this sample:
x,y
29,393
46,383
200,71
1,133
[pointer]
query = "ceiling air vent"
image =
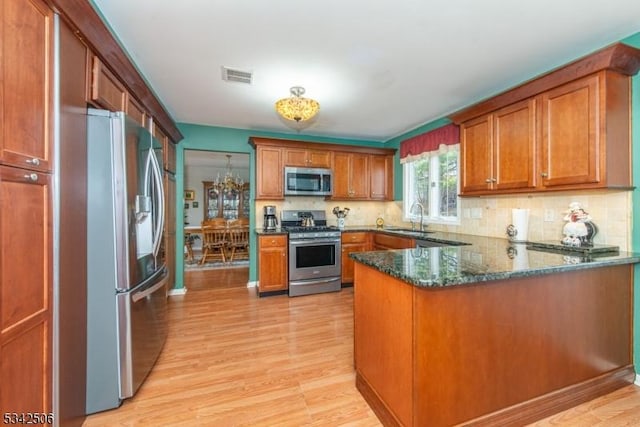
x,y
239,76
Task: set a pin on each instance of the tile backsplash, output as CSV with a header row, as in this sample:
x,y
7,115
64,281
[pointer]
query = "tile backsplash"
x,y
490,216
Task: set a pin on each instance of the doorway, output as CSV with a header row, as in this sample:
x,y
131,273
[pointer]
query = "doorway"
x,y
217,189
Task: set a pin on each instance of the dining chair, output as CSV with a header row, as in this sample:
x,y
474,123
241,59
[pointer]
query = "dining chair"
x,y
238,242
214,243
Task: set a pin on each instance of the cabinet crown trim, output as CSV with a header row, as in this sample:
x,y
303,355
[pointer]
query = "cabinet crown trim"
x,y
289,143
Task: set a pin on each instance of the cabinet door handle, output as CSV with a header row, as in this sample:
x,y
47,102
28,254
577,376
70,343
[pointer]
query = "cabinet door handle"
x,y
488,180
34,161
31,177
494,180
544,174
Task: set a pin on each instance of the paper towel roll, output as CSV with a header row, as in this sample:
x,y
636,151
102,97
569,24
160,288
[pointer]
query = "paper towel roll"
x,y
520,221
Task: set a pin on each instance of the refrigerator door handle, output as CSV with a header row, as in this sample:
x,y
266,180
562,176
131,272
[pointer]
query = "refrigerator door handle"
x,y
157,182
145,293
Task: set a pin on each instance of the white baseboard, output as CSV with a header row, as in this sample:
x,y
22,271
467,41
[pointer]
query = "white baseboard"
x,y
637,380
253,284
177,292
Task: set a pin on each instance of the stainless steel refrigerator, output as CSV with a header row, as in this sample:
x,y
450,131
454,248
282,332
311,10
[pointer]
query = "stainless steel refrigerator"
x,y
127,278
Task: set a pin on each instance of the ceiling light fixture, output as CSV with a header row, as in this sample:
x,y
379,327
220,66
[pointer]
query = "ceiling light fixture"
x,y
297,108
229,183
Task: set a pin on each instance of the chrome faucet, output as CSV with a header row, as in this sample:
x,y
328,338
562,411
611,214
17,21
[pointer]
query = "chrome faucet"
x,y
417,204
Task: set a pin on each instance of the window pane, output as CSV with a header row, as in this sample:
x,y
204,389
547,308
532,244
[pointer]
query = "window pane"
x,y
421,185
448,181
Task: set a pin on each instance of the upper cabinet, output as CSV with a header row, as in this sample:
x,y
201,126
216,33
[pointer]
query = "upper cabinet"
x,y
498,149
381,177
26,79
307,158
269,173
359,173
566,130
106,90
350,176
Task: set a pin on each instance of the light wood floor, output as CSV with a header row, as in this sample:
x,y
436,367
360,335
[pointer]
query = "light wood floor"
x,y
233,359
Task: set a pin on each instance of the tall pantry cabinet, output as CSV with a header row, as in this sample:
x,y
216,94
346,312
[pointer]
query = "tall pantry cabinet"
x,y
26,250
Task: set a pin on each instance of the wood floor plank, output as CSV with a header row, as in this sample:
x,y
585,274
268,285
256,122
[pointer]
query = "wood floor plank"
x,y
234,359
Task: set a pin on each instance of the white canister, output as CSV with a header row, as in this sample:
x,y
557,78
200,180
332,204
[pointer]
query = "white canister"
x,y
340,222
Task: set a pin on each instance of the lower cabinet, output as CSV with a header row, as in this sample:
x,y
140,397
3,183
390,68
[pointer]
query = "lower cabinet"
x,y
26,260
272,263
355,241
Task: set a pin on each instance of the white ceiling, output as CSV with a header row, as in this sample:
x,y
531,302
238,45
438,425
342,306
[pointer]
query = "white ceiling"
x,y
377,68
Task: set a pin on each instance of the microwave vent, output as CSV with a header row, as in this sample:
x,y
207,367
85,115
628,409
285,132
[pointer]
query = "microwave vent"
x,y
238,76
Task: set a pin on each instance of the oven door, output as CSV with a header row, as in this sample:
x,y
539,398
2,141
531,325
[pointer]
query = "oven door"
x,y
314,259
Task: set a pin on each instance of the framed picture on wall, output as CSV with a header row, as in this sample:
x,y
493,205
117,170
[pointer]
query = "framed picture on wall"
x,y
189,194
195,204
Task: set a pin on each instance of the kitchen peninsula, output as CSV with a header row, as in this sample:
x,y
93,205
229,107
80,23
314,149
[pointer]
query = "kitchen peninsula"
x,y
489,333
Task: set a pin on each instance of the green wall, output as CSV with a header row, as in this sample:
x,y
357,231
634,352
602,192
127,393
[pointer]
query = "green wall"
x,y
210,138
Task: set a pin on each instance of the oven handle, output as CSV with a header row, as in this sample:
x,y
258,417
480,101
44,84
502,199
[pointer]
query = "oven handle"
x,y
307,282
312,242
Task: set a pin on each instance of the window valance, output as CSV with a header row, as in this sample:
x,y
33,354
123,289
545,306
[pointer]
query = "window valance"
x,y
430,141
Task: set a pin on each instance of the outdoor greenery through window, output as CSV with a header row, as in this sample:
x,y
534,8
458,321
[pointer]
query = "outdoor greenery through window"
x,y
432,181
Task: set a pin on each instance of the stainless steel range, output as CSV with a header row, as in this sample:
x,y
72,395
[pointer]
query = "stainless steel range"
x,y
314,253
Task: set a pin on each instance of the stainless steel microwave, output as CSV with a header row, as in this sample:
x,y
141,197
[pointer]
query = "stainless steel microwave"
x,y
307,181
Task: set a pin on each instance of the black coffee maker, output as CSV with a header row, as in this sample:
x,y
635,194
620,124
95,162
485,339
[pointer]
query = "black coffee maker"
x,y
270,218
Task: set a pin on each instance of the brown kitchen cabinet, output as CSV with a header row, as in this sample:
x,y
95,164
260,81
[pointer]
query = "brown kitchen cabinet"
x,y
380,177
26,257
106,90
498,150
269,173
383,241
26,79
350,176
307,158
579,132
352,241
272,263
585,133
168,149
136,111
26,219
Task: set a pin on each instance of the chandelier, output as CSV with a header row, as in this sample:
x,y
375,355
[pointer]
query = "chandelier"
x,y
228,183
296,108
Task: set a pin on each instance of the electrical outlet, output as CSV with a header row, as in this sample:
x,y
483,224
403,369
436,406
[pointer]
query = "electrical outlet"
x,y
549,215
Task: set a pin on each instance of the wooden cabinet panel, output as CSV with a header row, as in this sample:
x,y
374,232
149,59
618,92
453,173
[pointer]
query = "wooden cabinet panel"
x,y
476,155
269,179
380,177
350,175
25,289
387,241
106,90
514,145
168,149
135,111
307,158
272,263
26,81
352,241
570,134
25,370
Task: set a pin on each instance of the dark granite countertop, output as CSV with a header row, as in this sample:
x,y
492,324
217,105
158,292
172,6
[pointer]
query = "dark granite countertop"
x,y
261,231
484,259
